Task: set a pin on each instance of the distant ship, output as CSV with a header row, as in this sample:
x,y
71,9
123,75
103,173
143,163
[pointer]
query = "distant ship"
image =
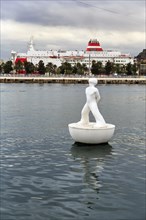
x,y
93,51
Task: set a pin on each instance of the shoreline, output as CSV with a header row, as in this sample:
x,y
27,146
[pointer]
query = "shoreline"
x,y
71,80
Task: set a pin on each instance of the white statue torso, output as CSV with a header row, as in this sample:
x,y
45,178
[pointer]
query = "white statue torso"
x,y
92,94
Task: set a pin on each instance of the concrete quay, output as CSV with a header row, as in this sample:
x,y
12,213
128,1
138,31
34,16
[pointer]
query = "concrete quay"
x,y
71,80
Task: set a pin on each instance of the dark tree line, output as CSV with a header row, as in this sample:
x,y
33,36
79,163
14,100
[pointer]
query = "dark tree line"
x,y
66,68
110,68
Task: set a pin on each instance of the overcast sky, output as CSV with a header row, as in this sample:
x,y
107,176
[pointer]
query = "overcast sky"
x,y
70,24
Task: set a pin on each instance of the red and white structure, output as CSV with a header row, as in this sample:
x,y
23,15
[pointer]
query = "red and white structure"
x,y
93,51
94,45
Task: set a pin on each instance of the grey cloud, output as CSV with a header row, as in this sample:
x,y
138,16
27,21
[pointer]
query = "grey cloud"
x,y
85,14
93,15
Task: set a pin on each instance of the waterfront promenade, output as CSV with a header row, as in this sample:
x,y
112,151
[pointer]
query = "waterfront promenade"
x,y
73,80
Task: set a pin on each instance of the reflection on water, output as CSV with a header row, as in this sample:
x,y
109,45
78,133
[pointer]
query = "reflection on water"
x,y
92,159
91,151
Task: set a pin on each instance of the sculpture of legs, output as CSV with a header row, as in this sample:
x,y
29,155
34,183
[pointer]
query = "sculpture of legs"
x,y
97,115
85,115
95,111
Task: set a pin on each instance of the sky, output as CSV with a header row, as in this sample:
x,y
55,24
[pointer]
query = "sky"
x,y
70,24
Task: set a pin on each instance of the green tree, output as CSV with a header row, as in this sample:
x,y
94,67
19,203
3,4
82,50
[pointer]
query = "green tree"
x,y
109,68
66,68
2,67
60,70
117,68
54,69
8,67
123,69
96,67
80,69
29,67
84,67
41,67
129,69
134,68
74,69
51,68
19,66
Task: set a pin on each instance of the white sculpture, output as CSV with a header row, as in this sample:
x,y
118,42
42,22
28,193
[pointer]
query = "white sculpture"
x,y
92,98
85,131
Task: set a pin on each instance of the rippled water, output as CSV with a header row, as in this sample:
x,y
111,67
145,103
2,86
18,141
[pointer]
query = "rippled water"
x,y
46,176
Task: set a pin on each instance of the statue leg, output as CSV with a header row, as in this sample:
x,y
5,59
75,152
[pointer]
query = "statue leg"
x,y
85,115
97,115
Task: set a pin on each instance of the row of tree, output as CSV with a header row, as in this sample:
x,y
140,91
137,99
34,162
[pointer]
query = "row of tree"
x,y
96,68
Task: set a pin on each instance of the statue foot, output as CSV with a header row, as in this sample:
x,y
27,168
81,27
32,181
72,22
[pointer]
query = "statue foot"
x,y
99,125
82,123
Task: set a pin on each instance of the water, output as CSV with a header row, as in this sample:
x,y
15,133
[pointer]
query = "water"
x,y
46,176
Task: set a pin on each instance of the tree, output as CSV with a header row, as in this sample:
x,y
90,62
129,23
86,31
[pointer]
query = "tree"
x,y
7,67
74,69
84,67
80,70
66,68
2,68
51,68
19,66
96,67
134,68
109,68
60,70
117,68
41,67
123,69
54,69
129,69
29,67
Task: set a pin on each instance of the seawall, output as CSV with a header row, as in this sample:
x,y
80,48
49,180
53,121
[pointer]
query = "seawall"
x,y
69,80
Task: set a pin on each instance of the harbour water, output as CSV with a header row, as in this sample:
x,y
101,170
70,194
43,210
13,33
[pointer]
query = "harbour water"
x,y
46,176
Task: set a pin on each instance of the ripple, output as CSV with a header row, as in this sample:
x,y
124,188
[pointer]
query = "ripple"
x,y
44,175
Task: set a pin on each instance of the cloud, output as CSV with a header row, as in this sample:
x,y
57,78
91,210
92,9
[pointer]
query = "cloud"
x,y
70,24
